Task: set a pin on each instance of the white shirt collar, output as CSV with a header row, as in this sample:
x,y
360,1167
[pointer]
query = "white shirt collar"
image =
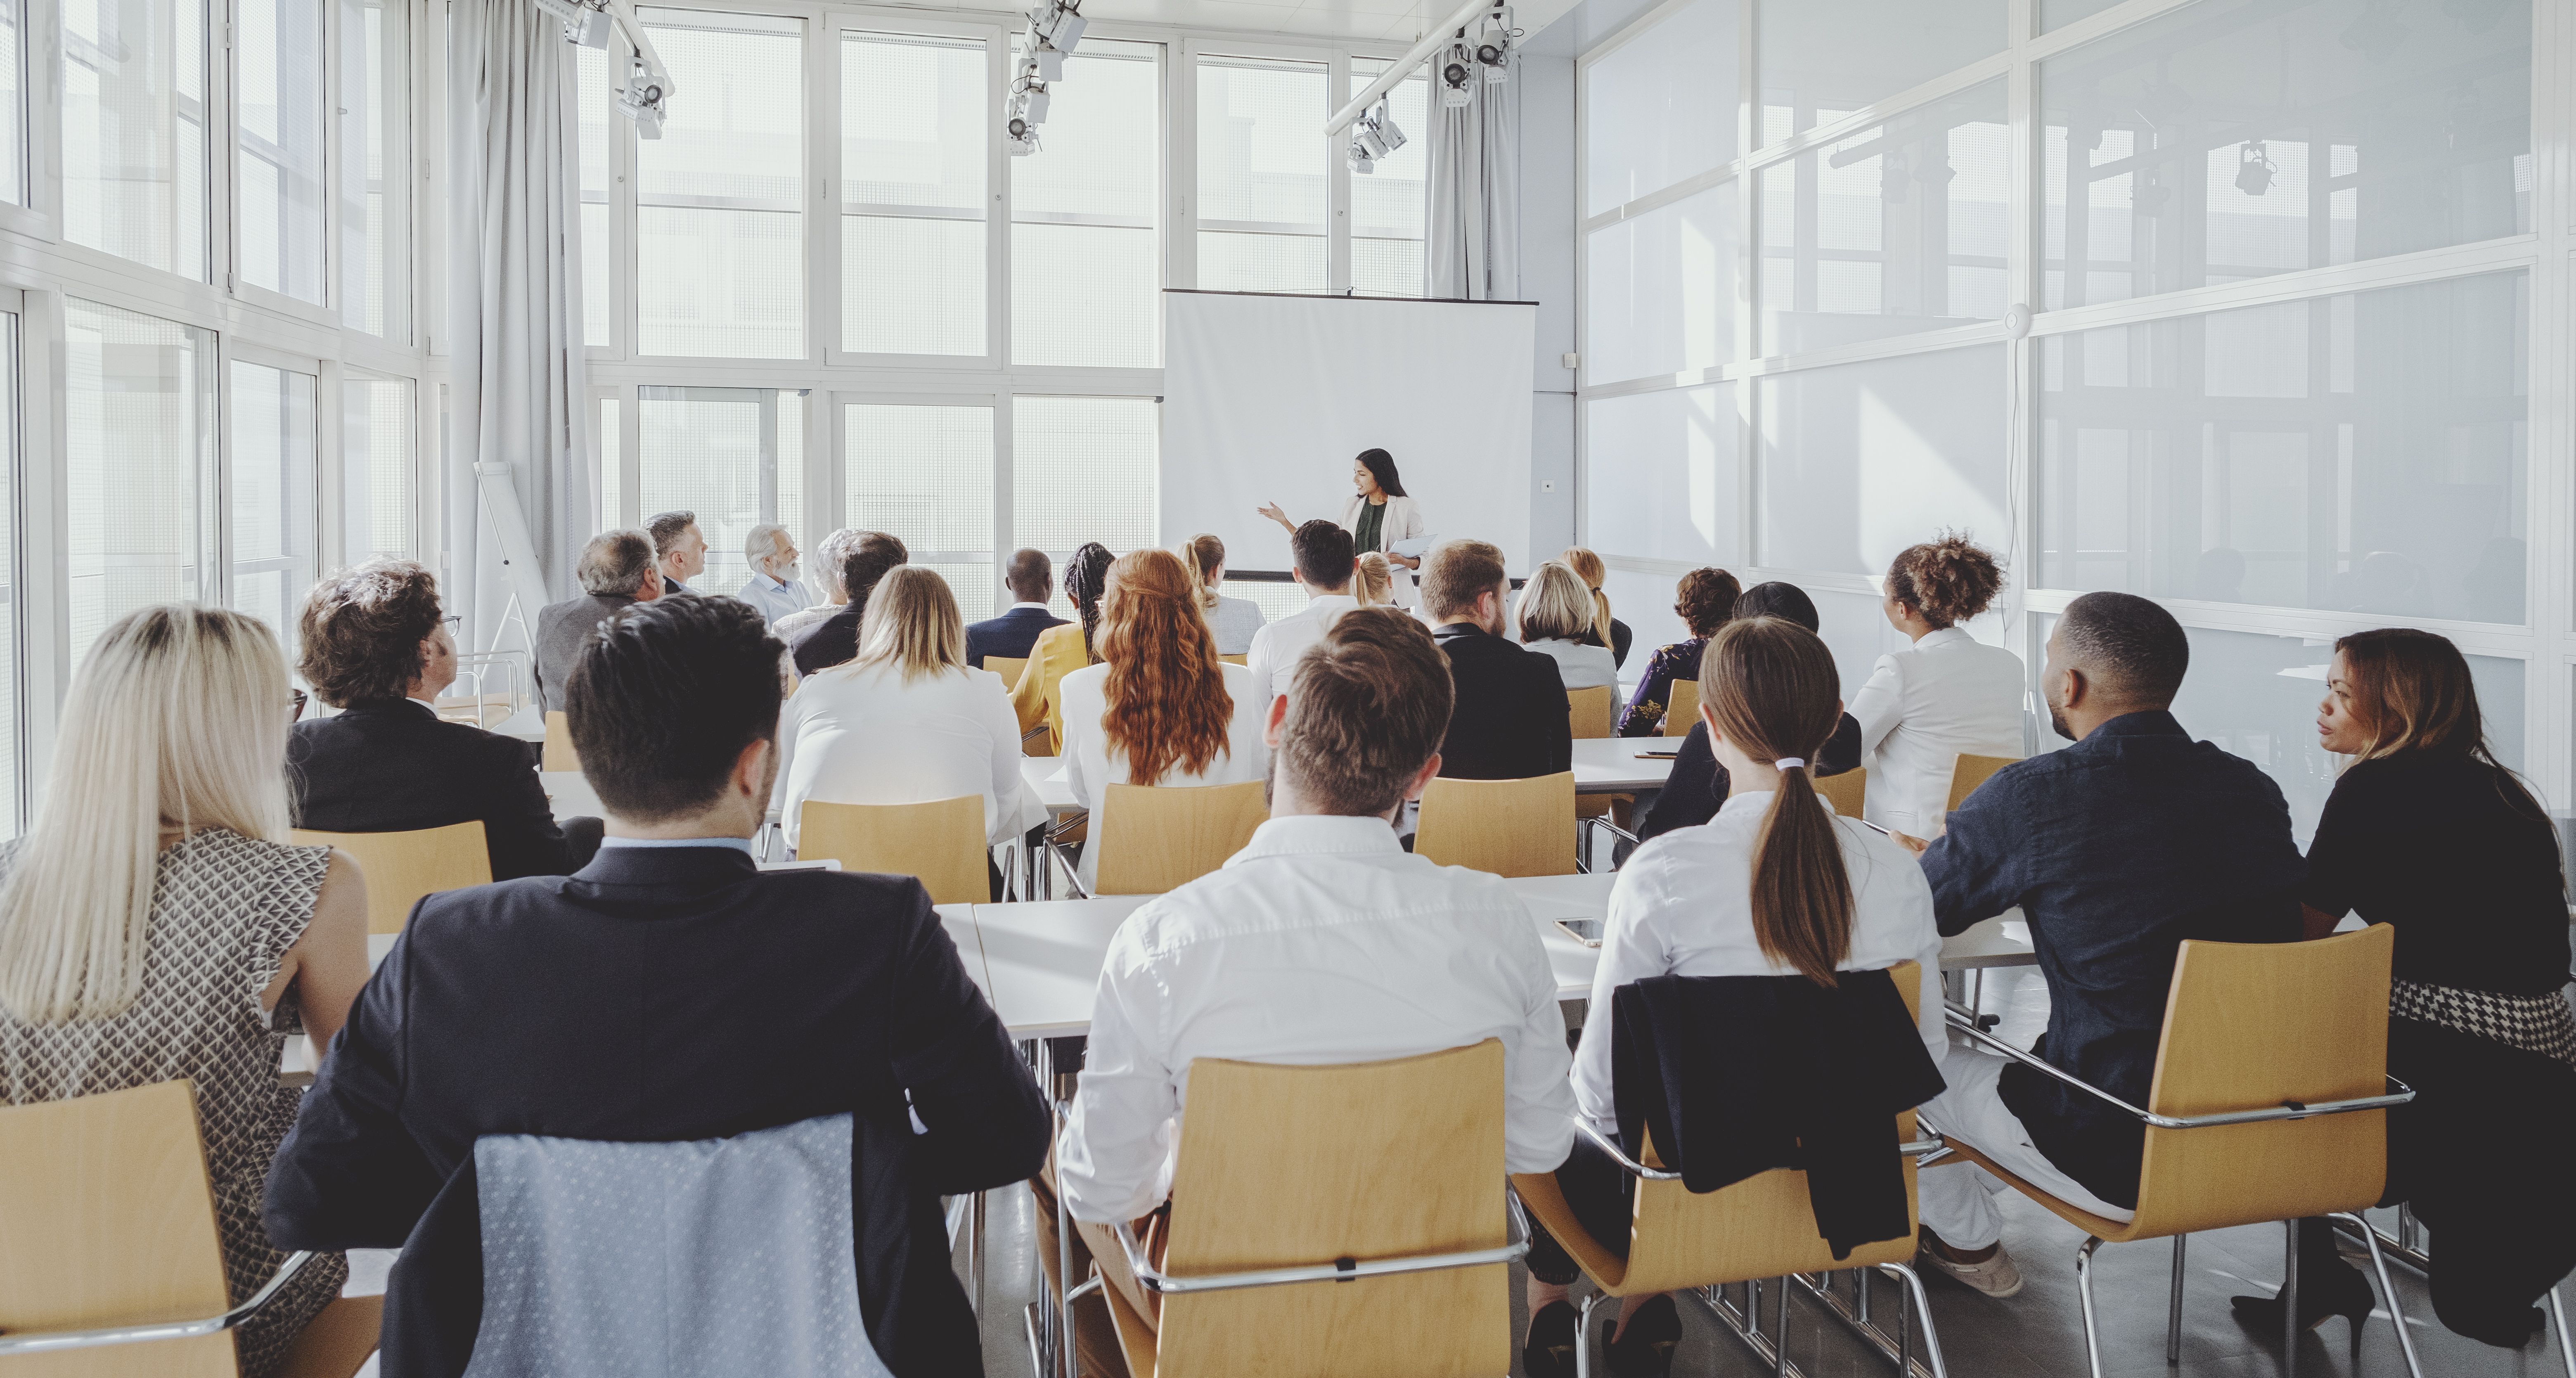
x,y
776,584
1309,834
1942,636
1024,603
1333,600
739,844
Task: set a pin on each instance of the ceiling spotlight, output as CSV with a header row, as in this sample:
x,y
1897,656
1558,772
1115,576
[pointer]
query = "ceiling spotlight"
x,y
2254,169
1357,158
1382,123
1029,97
1035,48
1456,71
1493,45
643,100
585,24
1059,22
1021,134
2376,34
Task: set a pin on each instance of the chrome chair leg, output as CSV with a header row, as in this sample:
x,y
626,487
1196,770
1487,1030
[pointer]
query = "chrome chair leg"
x,y
2084,1292
2173,1309
2558,1315
2290,1303
2397,1314
1583,1336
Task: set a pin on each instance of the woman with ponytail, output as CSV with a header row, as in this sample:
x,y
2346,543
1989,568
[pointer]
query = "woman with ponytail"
x,y
1774,885
1234,621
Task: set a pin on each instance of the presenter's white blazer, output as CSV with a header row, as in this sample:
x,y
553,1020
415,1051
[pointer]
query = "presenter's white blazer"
x,y
1403,523
1923,707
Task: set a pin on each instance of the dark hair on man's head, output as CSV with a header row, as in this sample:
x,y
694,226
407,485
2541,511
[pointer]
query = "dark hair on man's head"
x,y
1776,599
1381,466
1369,704
664,697
1322,551
1946,581
2130,649
871,555
361,631
1030,576
1705,598
666,528
1460,572
614,562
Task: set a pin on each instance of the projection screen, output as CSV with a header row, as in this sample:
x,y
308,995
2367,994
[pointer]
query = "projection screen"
x,y
1267,398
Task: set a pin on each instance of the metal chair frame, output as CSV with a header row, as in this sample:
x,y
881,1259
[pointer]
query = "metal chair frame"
x,y
49,1342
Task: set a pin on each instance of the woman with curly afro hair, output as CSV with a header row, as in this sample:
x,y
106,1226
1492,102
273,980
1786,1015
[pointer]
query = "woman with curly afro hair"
x,y
1925,706
1705,598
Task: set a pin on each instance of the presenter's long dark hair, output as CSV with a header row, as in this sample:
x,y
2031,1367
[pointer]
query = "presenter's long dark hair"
x,y
1381,466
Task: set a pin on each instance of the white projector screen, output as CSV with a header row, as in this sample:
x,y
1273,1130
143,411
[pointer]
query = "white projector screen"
x,y
1268,398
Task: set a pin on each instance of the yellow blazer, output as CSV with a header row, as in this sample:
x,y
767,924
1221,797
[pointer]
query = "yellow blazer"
x,y
1058,652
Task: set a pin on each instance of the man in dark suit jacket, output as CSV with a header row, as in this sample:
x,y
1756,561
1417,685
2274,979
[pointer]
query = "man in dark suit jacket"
x,y
679,550
669,991
375,646
835,640
1031,579
1511,719
616,570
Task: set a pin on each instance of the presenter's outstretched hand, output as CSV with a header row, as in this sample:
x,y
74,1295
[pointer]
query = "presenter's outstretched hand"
x,y
1271,510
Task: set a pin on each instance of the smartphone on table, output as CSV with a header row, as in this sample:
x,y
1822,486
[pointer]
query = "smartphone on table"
x,y
1584,931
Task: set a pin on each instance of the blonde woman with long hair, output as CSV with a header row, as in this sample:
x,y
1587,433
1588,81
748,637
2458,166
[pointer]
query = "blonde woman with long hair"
x,y
907,722
1234,621
155,924
1160,708
1607,632
1554,618
1373,581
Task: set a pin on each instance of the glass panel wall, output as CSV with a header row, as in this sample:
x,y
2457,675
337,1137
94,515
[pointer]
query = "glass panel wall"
x,y
720,197
924,475
913,201
271,537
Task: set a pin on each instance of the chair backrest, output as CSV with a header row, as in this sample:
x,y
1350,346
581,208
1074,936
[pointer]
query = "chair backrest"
x,y
559,754
1846,791
1970,771
1681,707
1236,660
1156,838
402,867
1288,1166
106,1218
1508,827
940,843
2250,1026
1588,710
1761,1227
1007,668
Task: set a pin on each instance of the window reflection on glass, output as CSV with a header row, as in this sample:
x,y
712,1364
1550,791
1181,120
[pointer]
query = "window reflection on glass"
x,y
733,456
925,476
1819,60
2362,453
1083,469
1897,229
719,224
375,168
1862,460
2377,129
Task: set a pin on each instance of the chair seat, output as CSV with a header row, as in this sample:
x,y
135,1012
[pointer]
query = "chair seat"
x,y
2101,1227
336,1343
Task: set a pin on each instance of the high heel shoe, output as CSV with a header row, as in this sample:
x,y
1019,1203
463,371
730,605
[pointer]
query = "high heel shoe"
x,y
1645,1348
1550,1351
2323,1293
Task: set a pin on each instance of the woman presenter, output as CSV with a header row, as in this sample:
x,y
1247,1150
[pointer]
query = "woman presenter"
x,y
1379,517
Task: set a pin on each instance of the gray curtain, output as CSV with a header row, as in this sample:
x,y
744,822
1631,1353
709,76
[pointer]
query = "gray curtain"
x,y
520,391
1475,248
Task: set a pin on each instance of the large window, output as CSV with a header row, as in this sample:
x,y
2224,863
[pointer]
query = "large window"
x,y
13,106
924,474
1261,175
719,221
139,433
375,168
733,456
1391,203
1083,469
1085,258
271,536
914,119
596,94
379,503
134,131
278,244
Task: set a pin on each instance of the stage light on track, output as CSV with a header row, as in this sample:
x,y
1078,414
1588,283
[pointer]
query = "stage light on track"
x,y
1495,38
1457,73
2254,169
1058,22
643,100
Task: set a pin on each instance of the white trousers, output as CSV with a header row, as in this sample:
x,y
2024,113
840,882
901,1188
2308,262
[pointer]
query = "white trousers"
x,y
1958,1200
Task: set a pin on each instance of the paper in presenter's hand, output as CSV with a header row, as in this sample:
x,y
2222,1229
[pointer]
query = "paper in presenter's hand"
x,y
1414,549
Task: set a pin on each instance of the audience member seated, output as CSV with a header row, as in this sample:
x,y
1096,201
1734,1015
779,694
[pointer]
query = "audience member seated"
x,y
835,640
1234,621
1510,722
155,925
1606,630
1031,579
2116,849
1945,695
1064,648
679,549
773,587
1775,885
1373,580
1698,783
1555,616
906,722
2428,832
1288,954
1159,708
829,555
1320,558
1704,599
670,992
376,647
615,569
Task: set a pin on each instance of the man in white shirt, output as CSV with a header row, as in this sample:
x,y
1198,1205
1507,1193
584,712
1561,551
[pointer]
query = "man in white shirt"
x,y
1324,564
774,587
1322,942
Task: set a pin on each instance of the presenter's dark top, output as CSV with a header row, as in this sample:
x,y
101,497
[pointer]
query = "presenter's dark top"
x,y
1010,636
1510,722
662,994
2436,845
1371,533
394,766
2117,849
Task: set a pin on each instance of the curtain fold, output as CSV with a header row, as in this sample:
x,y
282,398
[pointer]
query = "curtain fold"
x,y
520,390
1475,236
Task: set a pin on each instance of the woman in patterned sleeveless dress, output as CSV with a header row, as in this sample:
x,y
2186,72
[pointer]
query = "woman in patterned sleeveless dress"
x,y
154,926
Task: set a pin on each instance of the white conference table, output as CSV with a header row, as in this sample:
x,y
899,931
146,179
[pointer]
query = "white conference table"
x,y
1602,765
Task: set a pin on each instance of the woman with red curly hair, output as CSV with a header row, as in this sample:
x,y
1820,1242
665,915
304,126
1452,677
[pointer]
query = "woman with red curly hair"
x,y
1160,708
1945,696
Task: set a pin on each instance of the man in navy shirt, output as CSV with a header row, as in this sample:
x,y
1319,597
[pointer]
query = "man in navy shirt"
x,y
2116,849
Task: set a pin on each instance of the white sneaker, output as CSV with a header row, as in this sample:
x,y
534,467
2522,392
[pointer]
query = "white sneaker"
x,y
1994,1276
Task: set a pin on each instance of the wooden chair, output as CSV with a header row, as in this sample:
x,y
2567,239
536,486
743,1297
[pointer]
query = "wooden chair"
x,y
110,1264
1236,660
558,754
1153,839
1846,791
402,867
1507,827
1970,771
940,843
1762,1227
1681,707
1588,711
1007,668
1332,1222
2269,1103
